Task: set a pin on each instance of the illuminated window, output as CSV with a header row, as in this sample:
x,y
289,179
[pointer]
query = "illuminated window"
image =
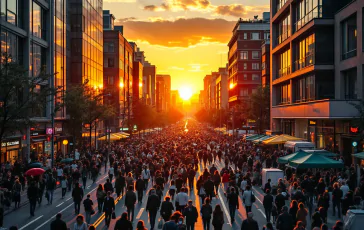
x,y
245,36
244,92
244,55
245,66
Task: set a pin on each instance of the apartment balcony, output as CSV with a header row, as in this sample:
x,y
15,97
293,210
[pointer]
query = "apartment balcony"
x,y
305,62
281,38
314,13
281,7
316,109
284,71
349,54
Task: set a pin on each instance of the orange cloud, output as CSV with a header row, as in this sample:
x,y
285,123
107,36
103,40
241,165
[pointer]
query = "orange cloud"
x,y
181,32
176,5
231,10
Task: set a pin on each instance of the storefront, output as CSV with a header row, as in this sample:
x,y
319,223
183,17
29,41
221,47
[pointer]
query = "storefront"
x,y
37,141
10,150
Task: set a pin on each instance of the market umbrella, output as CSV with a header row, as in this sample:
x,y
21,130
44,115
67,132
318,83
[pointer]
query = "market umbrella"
x,y
314,161
280,139
261,139
67,160
35,165
293,156
34,172
322,152
252,137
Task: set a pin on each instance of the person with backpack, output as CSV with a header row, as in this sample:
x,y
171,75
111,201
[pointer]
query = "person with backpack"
x,y
77,195
50,186
89,210
248,199
206,211
233,200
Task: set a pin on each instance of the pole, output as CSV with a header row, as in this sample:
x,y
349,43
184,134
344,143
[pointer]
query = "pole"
x,y
52,139
90,135
52,81
95,135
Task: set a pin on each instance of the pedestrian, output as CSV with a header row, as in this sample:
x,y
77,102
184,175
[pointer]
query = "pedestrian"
x,y
100,195
58,223
140,225
336,199
84,177
217,181
166,208
145,176
63,186
119,184
247,199
89,210
50,185
41,188
152,207
284,220
293,208
16,193
111,172
191,215
172,189
233,201
218,218
206,211
32,196
302,214
123,223
268,226
181,225
268,204
109,208
316,220
267,186
172,224
249,223
77,194
108,186
80,224
181,200
280,201
130,200
139,187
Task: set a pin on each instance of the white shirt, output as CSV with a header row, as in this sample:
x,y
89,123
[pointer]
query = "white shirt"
x,y
59,172
74,166
146,174
77,155
49,163
182,199
243,184
111,171
345,190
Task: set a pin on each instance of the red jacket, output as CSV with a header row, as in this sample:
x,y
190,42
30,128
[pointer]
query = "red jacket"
x,y
225,178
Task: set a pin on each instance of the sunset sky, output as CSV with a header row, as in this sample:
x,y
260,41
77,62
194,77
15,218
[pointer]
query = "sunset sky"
x,y
184,38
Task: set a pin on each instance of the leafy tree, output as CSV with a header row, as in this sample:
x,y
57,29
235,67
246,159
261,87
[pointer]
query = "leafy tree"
x,y
21,97
143,115
258,108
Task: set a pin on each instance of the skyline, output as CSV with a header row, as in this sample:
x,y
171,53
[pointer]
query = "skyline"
x,y
183,36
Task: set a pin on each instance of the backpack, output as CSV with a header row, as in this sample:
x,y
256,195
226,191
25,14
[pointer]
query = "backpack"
x,y
206,212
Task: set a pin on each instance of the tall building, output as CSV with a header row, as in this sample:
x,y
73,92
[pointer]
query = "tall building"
x,y
34,33
222,100
309,97
118,73
266,63
164,92
149,83
244,59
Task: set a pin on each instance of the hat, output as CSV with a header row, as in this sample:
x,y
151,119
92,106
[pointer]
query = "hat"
x,y
250,214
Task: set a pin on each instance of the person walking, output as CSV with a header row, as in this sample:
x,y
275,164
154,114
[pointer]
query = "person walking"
x,y
247,199
87,204
140,225
217,181
139,187
130,200
209,187
123,223
111,172
108,186
145,177
217,218
284,220
16,193
166,209
77,194
152,207
233,201
50,186
58,223
63,186
280,201
206,211
181,200
191,214
108,208
268,204
337,194
302,214
32,196
172,224
100,195
119,184
80,224
249,223
84,177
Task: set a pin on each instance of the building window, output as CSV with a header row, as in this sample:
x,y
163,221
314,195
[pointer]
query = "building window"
x,y
244,92
255,55
348,37
244,55
284,94
36,20
284,29
245,76
266,35
255,36
110,62
110,80
245,66
350,84
304,89
10,46
306,11
109,47
245,36
37,59
255,66
306,52
284,63
255,77
9,11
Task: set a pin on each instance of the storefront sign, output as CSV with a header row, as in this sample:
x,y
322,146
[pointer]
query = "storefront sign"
x,y
37,132
58,128
251,121
312,123
354,130
10,143
49,131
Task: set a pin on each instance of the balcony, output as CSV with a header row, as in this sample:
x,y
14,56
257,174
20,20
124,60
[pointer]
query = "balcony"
x,y
305,62
280,4
281,38
349,54
284,71
314,13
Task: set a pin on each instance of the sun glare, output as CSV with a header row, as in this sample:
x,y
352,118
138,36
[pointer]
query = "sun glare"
x,y
185,93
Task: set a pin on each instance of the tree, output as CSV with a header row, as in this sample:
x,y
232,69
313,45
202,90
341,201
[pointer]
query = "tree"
x,y
21,97
85,105
143,115
258,108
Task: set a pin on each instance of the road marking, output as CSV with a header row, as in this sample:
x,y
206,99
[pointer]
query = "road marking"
x,y
30,222
262,213
224,207
69,199
52,217
140,213
59,205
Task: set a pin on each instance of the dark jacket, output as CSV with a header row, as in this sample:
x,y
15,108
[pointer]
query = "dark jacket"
x,y
167,208
267,186
109,204
268,201
284,222
108,187
206,211
280,201
233,199
77,194
58,224
32,193
153,203
209,186
139,185
249,225
122,224
88,204
191,214
130,199
170,225
119,184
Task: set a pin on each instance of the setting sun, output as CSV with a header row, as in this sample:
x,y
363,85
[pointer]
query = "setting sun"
x,y
185,93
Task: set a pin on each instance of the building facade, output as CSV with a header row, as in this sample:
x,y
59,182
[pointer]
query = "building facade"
x,y
163,92
244,65
307,93
222,95
266,63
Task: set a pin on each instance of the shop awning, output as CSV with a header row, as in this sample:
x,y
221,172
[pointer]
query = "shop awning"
x,y
39,139
248,138
322,152
359,155
293,156
314,161
255,137
261,139
113,137
280,139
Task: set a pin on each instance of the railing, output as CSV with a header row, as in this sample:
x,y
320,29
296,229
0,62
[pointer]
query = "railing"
x,y
281,4
349,54
284,71
305,62
281,38
314,13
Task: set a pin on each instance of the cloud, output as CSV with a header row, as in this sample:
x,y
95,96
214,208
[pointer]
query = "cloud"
x,y
179,5
122,1
176,68
231,10
181,32
122,20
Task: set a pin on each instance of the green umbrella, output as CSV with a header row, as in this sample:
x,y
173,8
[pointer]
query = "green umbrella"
x,y
359,155
260,139
314,161
35,165
293,156
322,152
67,160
